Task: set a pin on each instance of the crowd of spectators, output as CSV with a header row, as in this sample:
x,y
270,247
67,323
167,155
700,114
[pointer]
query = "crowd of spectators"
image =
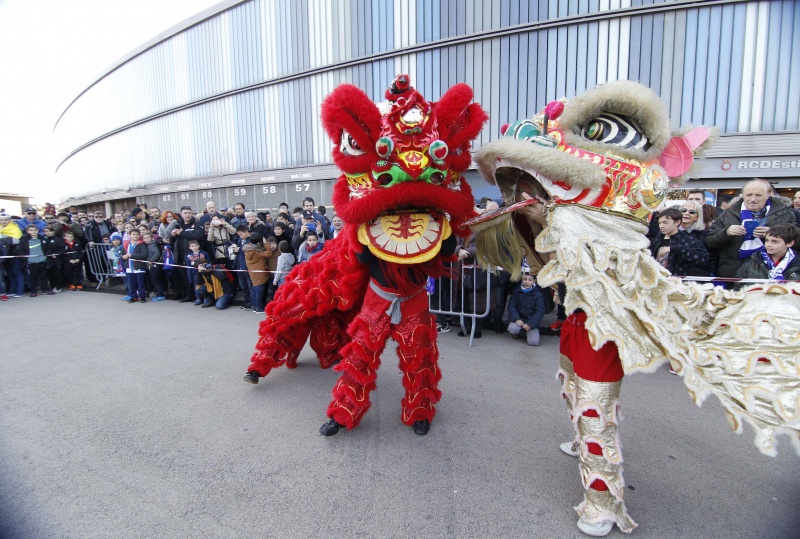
x,y
697,240
206,258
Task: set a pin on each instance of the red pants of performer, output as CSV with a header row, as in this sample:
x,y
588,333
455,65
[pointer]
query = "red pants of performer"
x,y
415,335
589,364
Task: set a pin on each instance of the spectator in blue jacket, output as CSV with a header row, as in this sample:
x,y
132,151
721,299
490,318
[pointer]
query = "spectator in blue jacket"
x,y
31,218
526,309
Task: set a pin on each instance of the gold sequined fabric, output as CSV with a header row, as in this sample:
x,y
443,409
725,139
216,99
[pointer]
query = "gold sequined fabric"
x,y
598,506
713,337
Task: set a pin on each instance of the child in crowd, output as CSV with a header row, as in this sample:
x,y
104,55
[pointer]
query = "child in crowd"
x,y
271,244
309,248
777,260
115,255
126,232
53,247
256,256
134,257
154,270
675,249
526,309
285,264
31,245
73,256
243,237
191,273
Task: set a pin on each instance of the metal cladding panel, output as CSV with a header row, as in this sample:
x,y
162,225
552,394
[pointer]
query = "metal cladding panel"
x,y
241,90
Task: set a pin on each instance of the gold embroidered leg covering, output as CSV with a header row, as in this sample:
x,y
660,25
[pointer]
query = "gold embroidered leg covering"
x,y
597,418
566,375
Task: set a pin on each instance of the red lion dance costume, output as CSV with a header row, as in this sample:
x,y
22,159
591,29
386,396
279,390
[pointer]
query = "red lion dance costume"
x,y
580,180
401,197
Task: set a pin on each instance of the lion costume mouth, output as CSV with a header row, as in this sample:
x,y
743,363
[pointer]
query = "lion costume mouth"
x,y
405,237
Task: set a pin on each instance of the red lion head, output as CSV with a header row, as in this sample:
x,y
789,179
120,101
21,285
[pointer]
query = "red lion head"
x,y
401,187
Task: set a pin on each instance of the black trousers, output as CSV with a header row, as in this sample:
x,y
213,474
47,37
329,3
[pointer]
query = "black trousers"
x,y
38,276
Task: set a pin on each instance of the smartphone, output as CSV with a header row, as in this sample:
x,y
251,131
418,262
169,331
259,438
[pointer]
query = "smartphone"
x,y
750,225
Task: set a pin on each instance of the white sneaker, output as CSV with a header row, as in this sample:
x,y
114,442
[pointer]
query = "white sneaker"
x,y
570,448
56,290
595,530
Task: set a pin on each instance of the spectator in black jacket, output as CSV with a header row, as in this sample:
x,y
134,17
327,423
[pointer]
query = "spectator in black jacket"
x,y
53,247
98,227
526,310
154,271
729,237
677,250
73,255
188,229
214,284
777,261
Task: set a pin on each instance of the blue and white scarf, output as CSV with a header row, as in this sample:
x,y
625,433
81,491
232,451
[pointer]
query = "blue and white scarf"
x,y
776,271
752,244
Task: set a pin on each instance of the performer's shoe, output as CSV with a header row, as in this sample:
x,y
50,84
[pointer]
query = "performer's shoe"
x,y
422,427
330,428
251,377
570,449
595,530
556,326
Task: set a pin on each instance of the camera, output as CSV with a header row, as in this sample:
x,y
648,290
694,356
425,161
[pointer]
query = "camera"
x,y
206,266
312,227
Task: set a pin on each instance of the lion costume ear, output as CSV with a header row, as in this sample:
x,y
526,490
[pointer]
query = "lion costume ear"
x,y
686,144
348,109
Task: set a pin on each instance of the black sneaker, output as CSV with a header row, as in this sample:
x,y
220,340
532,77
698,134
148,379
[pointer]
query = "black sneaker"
x,y
132,300
330,428
442,328
422,427
142,300
251,377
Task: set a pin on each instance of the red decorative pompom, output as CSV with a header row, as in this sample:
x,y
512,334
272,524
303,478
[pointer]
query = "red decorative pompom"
x,y
554,109
504,128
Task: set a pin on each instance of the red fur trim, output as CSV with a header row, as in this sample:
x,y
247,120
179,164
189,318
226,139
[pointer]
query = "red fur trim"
x,y
458,204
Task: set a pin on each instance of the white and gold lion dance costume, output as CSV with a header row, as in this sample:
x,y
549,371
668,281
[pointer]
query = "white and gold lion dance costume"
x,y
580,180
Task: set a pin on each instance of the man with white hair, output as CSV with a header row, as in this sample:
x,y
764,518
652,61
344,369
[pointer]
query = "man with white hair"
x,y
211,212
738,232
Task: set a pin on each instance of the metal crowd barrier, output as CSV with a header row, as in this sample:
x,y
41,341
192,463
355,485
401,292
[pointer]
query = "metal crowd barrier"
x,y
99,258
456,301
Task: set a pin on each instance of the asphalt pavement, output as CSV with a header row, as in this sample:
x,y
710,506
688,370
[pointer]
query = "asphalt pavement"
x,y
130,421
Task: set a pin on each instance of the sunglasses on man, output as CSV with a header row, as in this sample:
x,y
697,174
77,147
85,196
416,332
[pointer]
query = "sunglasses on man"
x,y
687,210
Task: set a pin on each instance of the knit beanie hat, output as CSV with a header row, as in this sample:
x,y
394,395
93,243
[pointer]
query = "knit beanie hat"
x,y
116,236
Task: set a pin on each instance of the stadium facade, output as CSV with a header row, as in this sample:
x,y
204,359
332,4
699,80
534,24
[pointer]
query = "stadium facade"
x,y
225,106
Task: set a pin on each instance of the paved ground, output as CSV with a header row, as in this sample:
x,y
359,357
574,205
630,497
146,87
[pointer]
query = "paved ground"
x,y
122,421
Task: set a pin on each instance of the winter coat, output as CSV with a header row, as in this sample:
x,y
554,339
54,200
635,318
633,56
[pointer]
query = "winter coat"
x,y
95,234
74,252
727,247
24,249
256,257
53,245
138,257
165,231
260,227
526,306
285,265
304,255
687,256
755,268
153,252
192,230
220,237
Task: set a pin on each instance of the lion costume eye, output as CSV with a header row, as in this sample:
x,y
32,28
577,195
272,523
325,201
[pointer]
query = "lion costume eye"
x,y
349,146
615,129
